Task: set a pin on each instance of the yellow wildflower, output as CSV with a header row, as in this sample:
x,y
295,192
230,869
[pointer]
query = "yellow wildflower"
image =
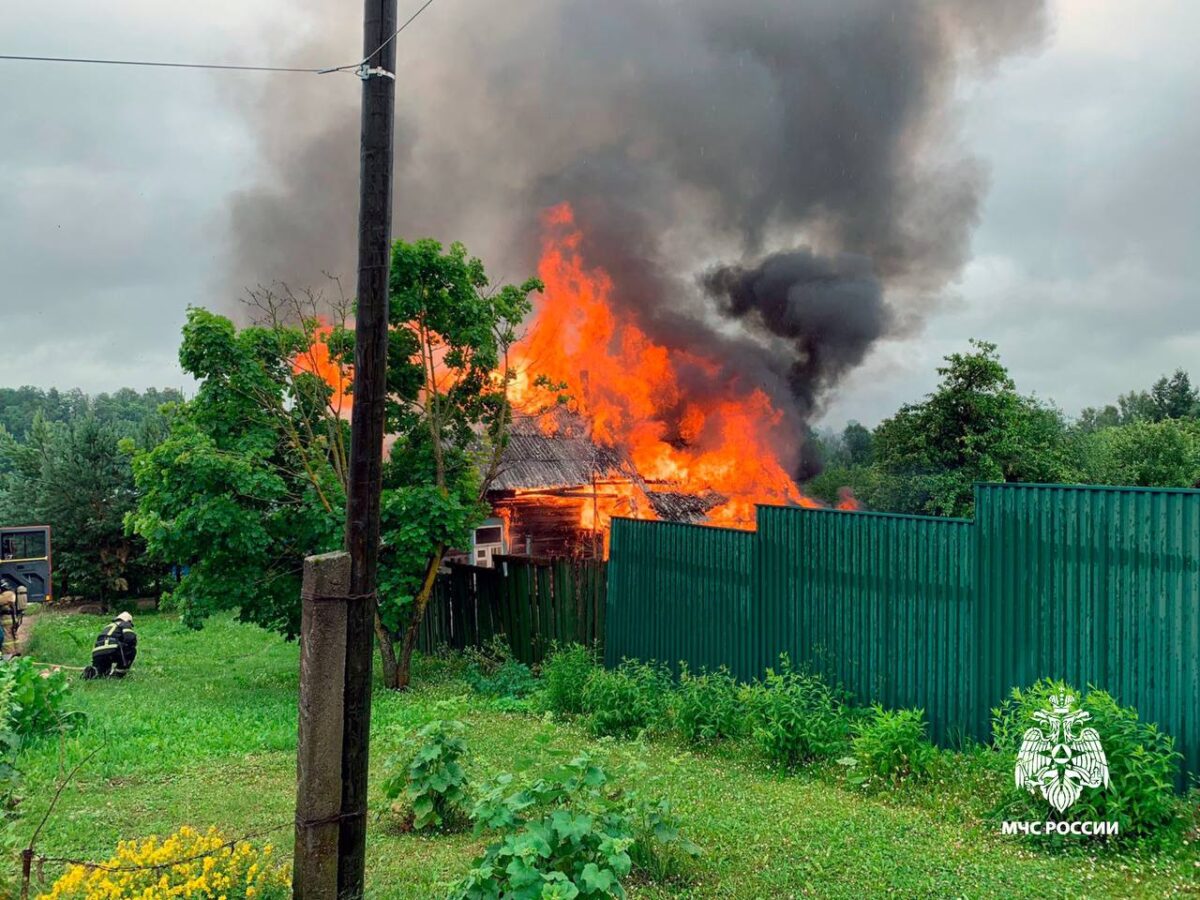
x,y
187,864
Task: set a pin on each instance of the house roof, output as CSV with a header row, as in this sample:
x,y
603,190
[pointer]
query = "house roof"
x,y
536,460
674,506
567,457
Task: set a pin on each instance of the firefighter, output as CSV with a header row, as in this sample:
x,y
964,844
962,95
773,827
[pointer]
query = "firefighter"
x,y
8,606
115,650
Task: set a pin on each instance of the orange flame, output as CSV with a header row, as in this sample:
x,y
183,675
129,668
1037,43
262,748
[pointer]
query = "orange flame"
x,y
316,360
667,410
630,390
846,499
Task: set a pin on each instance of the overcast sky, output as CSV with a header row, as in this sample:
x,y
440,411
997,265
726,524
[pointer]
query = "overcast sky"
x,y
115,183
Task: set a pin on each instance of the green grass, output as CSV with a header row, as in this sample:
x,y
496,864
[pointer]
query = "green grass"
x,y
203,732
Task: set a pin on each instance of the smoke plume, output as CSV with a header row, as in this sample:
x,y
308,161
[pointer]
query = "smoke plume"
x,y
756,176
821,313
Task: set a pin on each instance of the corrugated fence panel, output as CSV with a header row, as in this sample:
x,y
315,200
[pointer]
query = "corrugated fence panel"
x,y
881,603
1098,586
679,593
1095,585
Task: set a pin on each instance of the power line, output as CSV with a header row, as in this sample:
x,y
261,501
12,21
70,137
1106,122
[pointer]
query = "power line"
x,y
219,66
411,19
366,59
161,65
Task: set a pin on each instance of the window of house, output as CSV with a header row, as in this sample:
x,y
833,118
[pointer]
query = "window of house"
x,y
492,534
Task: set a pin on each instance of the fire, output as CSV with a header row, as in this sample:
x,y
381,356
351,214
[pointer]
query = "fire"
x,y
316,360
685,442
847,500
630,389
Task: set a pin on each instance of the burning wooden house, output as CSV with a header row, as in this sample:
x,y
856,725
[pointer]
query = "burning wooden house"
x,y
556,492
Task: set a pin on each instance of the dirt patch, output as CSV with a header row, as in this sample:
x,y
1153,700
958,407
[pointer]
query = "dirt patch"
x,y
17,647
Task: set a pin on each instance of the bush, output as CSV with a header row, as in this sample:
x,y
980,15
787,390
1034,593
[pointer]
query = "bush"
x,y
891,746
432,780
489,657
627,700
512,680
37,698
799,717
573,835
492,671
710,707
9,744
212,869
1142,762
564,676
442,666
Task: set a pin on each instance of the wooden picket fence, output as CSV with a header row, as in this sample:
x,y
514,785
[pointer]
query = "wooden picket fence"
x,y
535,602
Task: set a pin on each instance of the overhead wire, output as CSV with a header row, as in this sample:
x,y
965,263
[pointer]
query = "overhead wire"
x,y
100,61
366,59
154,64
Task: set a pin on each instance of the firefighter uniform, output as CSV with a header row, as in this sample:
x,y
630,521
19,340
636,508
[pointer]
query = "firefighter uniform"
x,y
8,603
115,650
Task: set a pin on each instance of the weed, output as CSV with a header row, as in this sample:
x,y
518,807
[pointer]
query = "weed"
x,y
574,834
565,674
1142,761
891,746
37,699
626,700
511,680
432,781
489,656
710,707
799,717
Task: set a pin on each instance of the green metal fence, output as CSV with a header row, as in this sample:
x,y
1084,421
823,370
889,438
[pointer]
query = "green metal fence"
x,y
879,602
1098,586
694,589
1095,585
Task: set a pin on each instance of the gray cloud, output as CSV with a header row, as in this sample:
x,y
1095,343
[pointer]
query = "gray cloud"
x,y
1085,270
112,182
116,186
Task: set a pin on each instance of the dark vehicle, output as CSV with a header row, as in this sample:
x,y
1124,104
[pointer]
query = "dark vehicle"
x,y
25,563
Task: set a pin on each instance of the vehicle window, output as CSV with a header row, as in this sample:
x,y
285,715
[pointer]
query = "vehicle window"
x,y
23,545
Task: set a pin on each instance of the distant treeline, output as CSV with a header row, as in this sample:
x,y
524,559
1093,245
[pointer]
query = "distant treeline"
x,y
125,410
65,462
976,426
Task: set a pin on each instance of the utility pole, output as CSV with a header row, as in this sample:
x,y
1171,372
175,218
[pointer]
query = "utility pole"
x,y
366,428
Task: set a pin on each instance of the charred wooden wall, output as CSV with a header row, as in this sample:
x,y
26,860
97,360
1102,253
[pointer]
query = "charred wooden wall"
x,y
546,524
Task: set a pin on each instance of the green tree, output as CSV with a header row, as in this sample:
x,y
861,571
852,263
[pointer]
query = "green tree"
x,y
249,479
857,444
21,466
1148,454
449,413
1174,397
1093,419
252,476
75,478
86,490
126,410
974,427
1136,406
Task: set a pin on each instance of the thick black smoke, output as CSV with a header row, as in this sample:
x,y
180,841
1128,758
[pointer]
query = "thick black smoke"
x,y
690,136
822,313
